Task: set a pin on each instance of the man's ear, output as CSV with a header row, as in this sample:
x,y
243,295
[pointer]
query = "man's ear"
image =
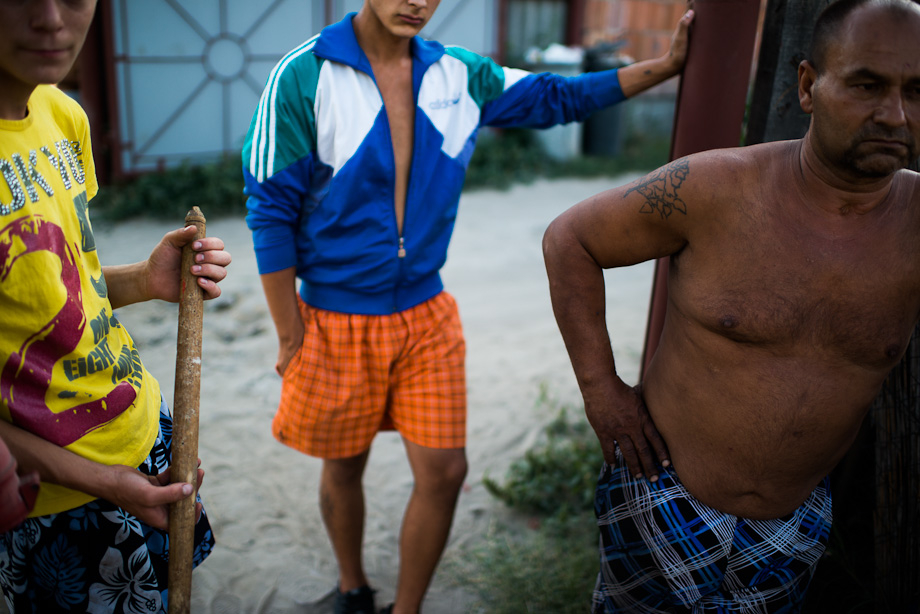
x,y
807,77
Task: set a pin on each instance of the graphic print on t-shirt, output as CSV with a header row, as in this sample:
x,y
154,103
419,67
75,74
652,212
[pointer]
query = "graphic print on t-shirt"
x,y
26,376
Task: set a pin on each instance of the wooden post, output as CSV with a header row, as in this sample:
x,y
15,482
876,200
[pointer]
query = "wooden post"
x,y
710,109
184,465
897,484
775,114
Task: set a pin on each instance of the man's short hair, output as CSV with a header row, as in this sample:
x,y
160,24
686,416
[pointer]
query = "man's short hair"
x,y
827,27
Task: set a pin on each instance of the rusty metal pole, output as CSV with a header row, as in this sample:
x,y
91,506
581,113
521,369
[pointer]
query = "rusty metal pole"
x,y
184,465
710,108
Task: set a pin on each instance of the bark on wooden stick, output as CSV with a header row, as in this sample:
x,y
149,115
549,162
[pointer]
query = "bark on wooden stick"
x,y
184,465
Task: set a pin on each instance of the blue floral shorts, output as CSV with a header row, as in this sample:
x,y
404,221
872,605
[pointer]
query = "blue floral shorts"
x,y
96,558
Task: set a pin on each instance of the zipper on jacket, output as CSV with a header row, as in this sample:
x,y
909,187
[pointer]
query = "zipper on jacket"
x,y
400,259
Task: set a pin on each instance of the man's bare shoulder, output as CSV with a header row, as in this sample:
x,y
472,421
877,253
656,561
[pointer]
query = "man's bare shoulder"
x,y
747,159
714,176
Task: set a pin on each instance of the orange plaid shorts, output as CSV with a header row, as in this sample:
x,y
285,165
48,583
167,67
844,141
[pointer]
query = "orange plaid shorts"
x,y
358,374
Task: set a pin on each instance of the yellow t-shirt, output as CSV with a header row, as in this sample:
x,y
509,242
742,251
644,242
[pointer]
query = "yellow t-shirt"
x,y
69,371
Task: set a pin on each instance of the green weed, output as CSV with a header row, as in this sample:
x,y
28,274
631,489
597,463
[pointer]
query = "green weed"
x,y
217,188
515,155
500,160
555,478
544,559
547,570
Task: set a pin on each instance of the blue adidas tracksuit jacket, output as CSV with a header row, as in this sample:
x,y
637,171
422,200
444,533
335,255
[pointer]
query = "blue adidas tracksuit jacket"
x,y
320,173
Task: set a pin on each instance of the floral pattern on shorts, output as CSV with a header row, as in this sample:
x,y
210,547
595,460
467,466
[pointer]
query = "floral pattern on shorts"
x,y
97,558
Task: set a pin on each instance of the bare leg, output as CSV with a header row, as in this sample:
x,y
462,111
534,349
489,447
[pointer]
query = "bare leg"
x,y
439,474
341,502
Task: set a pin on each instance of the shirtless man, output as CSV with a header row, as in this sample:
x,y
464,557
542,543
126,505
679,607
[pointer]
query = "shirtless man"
x,y
354,165
794,287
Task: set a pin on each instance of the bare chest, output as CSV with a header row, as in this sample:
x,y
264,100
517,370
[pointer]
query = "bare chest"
x,y
395,85
855,300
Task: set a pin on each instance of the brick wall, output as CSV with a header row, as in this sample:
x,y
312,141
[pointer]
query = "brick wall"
x,y
646,25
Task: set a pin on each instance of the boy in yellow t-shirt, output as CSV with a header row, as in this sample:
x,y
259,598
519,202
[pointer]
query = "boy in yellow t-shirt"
x,y
76,403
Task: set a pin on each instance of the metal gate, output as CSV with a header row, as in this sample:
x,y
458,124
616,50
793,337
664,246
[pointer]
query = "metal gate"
x,y
189,72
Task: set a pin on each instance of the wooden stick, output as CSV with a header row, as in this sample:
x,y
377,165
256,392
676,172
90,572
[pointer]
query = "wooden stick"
x,y
184,465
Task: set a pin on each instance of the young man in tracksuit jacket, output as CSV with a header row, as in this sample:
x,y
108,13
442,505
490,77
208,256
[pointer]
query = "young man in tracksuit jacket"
x,y
354,164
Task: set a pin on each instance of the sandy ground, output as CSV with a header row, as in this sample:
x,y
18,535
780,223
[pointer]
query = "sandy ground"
x,y
272,554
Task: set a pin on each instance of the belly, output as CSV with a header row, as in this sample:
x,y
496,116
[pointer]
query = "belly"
x,y
754,437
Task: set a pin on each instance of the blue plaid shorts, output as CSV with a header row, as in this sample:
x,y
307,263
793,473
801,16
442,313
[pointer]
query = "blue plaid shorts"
x,y
661,550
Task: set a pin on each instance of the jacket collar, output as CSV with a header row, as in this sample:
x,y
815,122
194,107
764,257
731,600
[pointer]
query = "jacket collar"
x,y
338,43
